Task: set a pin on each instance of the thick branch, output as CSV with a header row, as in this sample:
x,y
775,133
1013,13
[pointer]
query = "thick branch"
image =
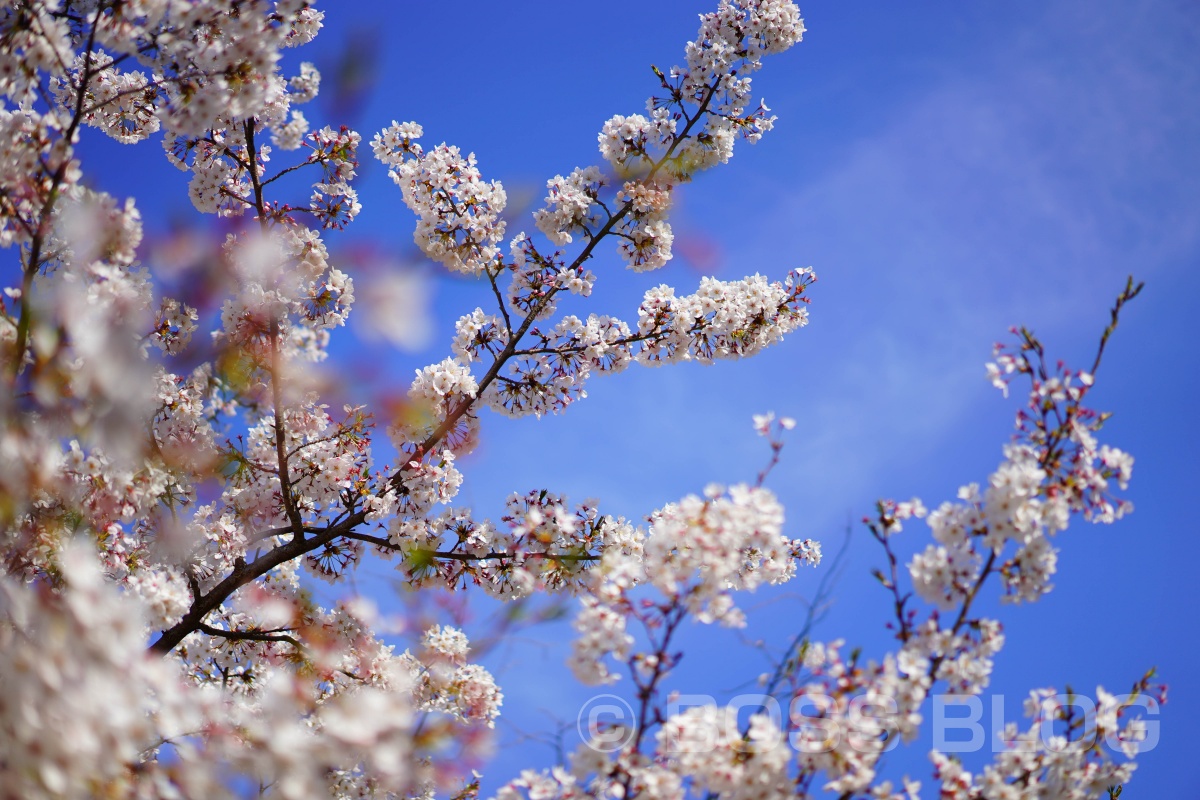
x,y
242,574
250,636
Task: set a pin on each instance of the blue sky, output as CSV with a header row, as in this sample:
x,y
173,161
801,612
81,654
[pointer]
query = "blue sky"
x,y
949,170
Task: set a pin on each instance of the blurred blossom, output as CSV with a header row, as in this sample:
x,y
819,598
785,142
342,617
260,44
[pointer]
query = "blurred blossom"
x,y
395,307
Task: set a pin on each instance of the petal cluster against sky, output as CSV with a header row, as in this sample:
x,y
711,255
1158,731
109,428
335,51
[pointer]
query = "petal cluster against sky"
x,y
949,170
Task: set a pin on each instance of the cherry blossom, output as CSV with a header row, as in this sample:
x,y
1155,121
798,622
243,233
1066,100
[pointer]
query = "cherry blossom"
x,y
174,478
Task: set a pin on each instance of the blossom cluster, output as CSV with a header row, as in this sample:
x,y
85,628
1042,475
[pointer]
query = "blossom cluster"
x,y
459,221
653,154
1055,469
1067,763
703,744
722,320
84,700
696,553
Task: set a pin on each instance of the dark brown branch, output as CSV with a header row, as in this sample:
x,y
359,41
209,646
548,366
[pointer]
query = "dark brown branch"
x,y
1128,293
500,301
285,484
384,544
35,248
251,636
242,574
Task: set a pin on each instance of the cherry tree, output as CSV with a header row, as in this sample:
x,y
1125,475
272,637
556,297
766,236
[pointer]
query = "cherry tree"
x,y
167,498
